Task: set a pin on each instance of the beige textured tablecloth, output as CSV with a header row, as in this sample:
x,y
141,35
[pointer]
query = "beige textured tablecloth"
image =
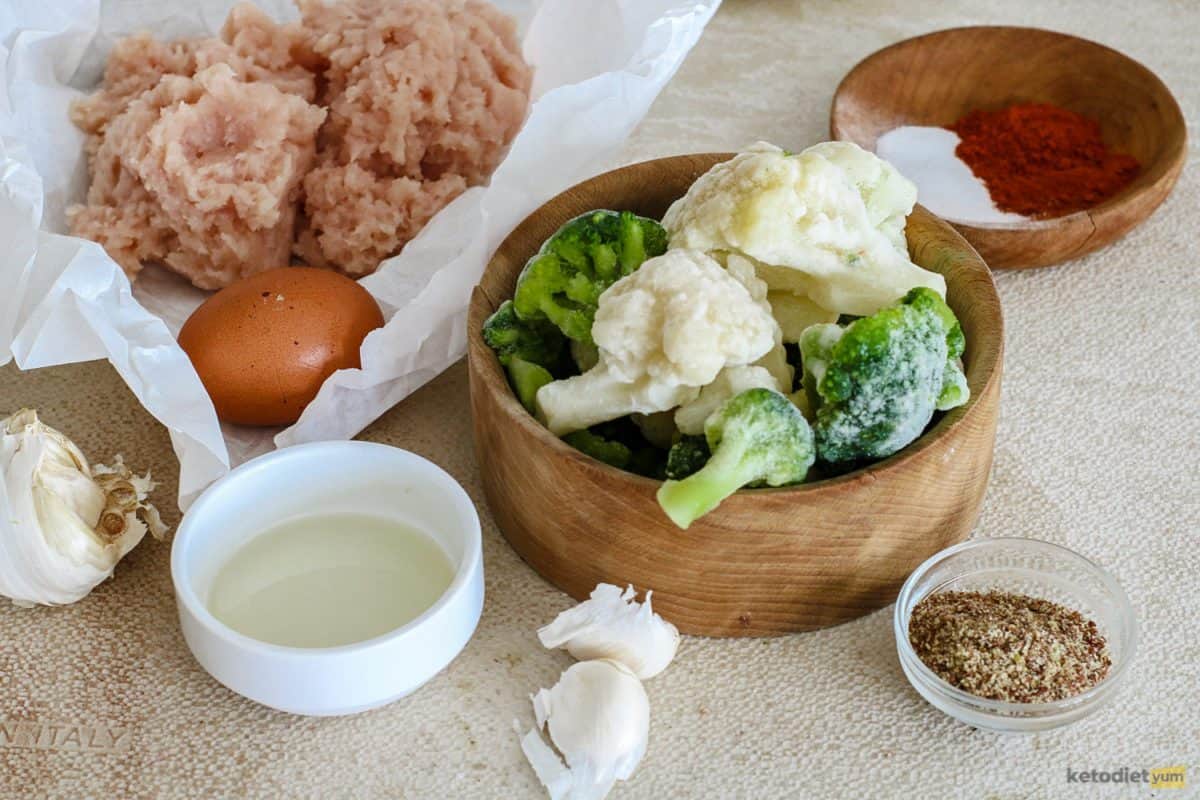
x,y
1097,450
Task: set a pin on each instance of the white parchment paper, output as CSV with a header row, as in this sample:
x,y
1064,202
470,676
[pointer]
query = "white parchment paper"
x,y
599,65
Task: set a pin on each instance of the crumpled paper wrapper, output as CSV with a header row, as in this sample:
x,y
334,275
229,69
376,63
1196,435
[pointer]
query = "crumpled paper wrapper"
x,y
64,300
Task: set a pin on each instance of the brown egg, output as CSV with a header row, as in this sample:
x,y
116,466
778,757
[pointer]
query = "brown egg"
x,y
264,345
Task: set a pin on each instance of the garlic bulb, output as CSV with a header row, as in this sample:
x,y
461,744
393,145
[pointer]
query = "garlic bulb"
x,y
64,525
598,717
612,624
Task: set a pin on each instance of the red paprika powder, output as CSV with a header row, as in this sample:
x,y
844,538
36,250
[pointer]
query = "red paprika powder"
x,y
1040,160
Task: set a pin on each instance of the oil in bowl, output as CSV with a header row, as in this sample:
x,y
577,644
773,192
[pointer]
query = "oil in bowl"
x,y
327,580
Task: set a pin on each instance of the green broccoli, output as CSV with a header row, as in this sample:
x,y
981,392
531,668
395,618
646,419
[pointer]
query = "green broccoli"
x,y
756,437
610,452
649,462
526,378
535,341
875,383
564,281
619,443
955,391
686,457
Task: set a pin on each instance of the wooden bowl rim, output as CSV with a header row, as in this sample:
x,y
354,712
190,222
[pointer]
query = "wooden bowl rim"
x,y
1147,179
495,381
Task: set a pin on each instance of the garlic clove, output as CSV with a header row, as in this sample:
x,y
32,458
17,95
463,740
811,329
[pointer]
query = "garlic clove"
x,y
611,624
66,524
598,718
547,765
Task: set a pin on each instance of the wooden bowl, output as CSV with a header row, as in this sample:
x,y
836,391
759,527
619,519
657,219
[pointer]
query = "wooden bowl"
x,y
936,78
767,561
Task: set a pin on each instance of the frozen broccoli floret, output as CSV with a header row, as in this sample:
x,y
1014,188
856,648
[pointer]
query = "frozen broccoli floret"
x,y
612,453
620,444
955,391
686,457
526,378
649,462
875,384
757,437
535,341
564,281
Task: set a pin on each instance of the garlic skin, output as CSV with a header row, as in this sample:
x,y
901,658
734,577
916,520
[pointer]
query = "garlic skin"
x,y
613,625
598,718
64,525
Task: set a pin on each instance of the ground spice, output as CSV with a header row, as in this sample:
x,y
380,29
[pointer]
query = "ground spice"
x,y
1008,647
1040,160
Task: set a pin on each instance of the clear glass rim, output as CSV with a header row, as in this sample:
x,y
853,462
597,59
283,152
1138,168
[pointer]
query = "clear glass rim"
x,y
1002,708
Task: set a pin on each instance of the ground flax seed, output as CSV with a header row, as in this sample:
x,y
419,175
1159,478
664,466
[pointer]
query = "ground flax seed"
x,y
1009,647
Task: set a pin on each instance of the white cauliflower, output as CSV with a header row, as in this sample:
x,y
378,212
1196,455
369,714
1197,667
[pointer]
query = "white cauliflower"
x,y
827,223
731,381
598,395
662,333
795,312
775,361
888,196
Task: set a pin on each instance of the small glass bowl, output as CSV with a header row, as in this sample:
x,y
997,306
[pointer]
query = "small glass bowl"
x,y
1020,566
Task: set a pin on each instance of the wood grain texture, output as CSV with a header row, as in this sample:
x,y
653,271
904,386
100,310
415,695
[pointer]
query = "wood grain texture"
x,y
936,78
767,561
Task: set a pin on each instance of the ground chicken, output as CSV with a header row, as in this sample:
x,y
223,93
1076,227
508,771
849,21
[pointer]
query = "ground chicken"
x,y
259,50
202,150
424,96
135,65
202,174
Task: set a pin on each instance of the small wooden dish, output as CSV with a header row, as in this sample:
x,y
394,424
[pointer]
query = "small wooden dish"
x,y
767,561
936,78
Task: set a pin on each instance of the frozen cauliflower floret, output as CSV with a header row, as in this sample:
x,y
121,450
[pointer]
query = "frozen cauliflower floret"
x,y
662,332
731,381
775,361
795,313
597,396
820,223
680,318
424,96
888,196
201,173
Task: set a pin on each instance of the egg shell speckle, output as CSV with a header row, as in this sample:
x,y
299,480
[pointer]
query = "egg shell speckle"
x,y
264,345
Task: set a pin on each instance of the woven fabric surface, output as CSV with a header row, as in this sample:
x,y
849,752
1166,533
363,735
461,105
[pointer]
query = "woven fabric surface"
x,y
1097,450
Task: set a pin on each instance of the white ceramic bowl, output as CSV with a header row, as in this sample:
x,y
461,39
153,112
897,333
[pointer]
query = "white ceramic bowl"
x,y
328,477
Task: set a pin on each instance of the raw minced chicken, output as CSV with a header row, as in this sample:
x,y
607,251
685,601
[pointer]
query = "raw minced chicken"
x,y
135,65
260,50
251,43
424,96
201,173
357,218
205,153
